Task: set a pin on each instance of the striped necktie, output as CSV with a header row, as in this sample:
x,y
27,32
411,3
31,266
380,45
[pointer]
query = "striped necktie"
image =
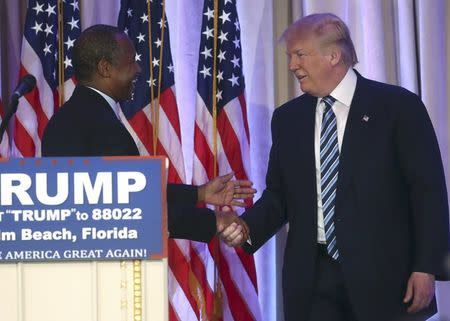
x,y
329,169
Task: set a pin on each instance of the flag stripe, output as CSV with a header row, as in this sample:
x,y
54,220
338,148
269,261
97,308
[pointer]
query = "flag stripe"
x,y
238,306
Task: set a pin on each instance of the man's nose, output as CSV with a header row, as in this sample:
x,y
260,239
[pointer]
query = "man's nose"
x,y
292,65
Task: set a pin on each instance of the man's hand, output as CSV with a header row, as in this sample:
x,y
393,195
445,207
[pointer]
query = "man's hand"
x,y
420,288
231,228
222,191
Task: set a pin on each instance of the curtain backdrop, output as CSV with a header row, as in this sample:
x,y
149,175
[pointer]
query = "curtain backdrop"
x,y
402,42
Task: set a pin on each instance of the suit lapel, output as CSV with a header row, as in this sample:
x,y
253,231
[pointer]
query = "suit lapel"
x,y
355,134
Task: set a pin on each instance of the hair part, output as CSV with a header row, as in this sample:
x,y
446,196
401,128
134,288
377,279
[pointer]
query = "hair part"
x,y
329,29
94,44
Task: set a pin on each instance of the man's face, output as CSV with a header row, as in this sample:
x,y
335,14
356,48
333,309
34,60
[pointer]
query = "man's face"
x,y
310,65
125,70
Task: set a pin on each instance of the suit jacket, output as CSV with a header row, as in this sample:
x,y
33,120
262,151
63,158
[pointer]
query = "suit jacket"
x,y
86,125
391,211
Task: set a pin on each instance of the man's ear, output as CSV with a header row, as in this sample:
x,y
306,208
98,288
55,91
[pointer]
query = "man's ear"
x,y
104,68
335,55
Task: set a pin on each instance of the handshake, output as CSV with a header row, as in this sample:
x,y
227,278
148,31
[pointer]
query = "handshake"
x,y
231,229
222,191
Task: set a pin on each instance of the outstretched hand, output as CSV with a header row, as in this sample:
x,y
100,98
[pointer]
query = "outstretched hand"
x,y
223,191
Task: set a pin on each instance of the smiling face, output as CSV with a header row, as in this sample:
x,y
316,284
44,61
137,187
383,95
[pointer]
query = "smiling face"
x,y
124,70
312,64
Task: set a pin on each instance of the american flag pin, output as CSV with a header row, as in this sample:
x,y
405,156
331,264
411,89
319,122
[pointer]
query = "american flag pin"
x,y
365,118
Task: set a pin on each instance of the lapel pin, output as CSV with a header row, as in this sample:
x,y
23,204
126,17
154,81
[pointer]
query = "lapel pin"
x,y
365,118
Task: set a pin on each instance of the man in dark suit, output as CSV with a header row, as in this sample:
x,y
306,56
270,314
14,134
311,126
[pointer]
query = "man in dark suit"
x,y
355,170
88,125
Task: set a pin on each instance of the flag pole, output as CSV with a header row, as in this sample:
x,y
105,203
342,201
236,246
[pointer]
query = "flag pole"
x,y
217,308
60,53
152,93
161,54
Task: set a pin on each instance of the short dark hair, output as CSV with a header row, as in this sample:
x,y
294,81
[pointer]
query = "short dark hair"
x,y
95,43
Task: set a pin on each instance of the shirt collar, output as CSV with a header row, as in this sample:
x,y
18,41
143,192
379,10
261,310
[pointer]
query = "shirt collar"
x,y
109,99
345,90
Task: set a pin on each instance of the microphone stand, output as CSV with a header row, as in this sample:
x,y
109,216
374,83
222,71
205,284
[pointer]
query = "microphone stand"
x,y
12,109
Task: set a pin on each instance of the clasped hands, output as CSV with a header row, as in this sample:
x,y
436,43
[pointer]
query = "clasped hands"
x,y
222,191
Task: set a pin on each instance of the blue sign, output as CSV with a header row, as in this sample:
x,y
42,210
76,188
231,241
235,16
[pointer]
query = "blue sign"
x,y
82,209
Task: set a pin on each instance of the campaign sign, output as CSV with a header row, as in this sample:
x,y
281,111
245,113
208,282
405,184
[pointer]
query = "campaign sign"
x,y
82,209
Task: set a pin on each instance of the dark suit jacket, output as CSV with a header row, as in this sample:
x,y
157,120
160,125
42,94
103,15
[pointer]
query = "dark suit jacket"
x,y
391,214
86,125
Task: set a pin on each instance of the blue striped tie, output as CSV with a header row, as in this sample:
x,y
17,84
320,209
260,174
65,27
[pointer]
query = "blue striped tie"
x,y
329,169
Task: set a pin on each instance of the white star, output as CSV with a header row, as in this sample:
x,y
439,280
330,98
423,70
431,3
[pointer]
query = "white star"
x,y
221,56
220,76
144,18
233,80
130,12
140,37
219,95
226,1
48,29
236,25
74,4
50,10
157,43
73,23
47,49
206,52
38,8
153,82
235,62
137,57
160,23
223,36
69,43
237,42
225,17
205,72
155,62
67,62
209,14
171,68
37,27
126,30
208,32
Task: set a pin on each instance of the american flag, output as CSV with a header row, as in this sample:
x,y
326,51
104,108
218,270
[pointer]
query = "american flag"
x,y
221,145
4,145
141,118
161,120
45,47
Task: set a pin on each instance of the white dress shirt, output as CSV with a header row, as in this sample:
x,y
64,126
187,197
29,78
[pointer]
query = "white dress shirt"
x,y
343,94
115,106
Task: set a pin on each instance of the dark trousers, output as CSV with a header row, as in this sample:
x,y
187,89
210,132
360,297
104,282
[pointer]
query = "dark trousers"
x,y
330,300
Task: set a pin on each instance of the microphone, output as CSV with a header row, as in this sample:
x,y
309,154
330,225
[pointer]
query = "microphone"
x,y
25,85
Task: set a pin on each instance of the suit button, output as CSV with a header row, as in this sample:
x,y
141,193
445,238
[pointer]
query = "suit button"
x,y
338,219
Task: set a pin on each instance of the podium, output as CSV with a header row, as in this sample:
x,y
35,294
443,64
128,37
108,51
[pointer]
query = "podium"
x,y
70,270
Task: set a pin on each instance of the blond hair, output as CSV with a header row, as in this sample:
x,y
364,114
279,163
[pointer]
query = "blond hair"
x,y
329,28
